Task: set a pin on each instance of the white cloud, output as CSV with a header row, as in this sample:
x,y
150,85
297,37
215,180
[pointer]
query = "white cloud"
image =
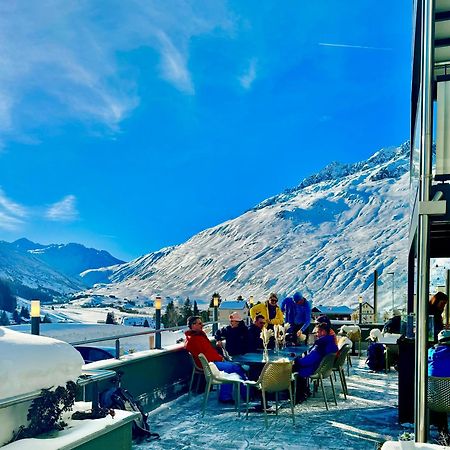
x,y
67,60
11,213
363,47
63,211
249,76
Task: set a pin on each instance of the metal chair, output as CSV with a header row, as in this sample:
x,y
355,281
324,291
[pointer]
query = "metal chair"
x,y
325,370
439,394
214,380
275,377
196,371
338,366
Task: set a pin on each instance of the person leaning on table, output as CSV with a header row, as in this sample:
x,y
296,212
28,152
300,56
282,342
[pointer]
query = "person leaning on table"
x,y
269,310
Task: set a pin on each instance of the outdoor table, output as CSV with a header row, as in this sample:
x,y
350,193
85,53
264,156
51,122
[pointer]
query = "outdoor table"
x,y
259,358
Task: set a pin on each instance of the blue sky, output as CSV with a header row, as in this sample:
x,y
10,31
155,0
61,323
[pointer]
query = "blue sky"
x,y
129,126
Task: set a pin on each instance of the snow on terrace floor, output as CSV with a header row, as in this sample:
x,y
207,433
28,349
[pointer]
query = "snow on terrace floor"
x,y
368,416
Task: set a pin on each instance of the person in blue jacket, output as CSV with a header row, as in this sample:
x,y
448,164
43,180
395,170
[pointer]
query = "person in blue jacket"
x,y
305,366
439,366
297,312
439,356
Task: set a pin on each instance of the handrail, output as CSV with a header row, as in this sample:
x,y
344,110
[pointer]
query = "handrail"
x,y
139,333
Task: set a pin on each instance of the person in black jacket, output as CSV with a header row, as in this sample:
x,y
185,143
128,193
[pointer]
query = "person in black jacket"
x,y
255,342
235,335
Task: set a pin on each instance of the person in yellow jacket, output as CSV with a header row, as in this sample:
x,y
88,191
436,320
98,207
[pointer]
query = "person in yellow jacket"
x,y
269,310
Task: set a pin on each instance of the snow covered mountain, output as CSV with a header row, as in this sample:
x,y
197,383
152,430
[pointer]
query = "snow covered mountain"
x,y
45,271
69,259
29,277
325,237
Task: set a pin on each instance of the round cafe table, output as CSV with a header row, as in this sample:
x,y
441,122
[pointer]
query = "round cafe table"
x,y
259,358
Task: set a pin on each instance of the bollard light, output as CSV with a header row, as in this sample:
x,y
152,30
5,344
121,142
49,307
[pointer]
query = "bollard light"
x,y
35,314
216,304
158,322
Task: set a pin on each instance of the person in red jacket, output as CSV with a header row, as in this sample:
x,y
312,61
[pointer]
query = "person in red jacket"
x,y
197,342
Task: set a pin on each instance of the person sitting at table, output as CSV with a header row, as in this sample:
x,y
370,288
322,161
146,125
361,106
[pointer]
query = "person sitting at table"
x,y
255,342
439,366
325,319
305,366
235,336
269,310
197,342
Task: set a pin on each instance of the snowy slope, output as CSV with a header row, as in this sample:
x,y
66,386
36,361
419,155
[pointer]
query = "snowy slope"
x,y
70,259
25,273
324,237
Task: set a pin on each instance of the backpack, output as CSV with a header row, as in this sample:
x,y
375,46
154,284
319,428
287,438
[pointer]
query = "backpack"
x,y
119,398
375,357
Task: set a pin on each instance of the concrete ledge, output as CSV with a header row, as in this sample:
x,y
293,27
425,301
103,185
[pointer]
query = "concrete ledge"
x,y
410,445
108,433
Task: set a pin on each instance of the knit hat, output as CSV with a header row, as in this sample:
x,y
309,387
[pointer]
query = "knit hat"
x,y
444,337
235,316
374,335
298,296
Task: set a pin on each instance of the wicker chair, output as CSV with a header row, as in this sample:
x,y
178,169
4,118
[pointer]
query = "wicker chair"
x,y
439,394
196,371
339,367
275,377
213,380
325,370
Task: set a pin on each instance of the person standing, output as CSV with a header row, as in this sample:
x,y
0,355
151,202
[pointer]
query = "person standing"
x,y
436,307
269,310
297,312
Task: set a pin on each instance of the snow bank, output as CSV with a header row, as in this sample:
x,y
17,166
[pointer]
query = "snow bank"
x,y
30,363
35,362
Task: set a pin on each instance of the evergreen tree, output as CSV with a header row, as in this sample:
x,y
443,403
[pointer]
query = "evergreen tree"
x,y
170,317
8,301
110,319
185,312
16,317
146,324
205,316
4,319
24,312
46,319
195,310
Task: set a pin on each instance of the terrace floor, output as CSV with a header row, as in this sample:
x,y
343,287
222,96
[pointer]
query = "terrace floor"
x,y
367,417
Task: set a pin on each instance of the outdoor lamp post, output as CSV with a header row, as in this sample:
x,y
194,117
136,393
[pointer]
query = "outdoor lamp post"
x,y
393,290
216,305
360,309
251,300
35,314
158,321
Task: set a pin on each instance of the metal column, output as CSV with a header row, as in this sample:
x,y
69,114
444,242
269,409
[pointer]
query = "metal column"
x,y
423,229
375,295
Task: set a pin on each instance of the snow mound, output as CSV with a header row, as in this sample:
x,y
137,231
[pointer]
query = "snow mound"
x,y
33,362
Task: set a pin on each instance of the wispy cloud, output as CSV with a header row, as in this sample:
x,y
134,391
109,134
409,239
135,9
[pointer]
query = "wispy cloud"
x,y
63,211
363,47
249,76
11,213
63,60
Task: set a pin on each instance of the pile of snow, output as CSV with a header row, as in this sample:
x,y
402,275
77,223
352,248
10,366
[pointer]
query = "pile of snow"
x,y
35,362
30,363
